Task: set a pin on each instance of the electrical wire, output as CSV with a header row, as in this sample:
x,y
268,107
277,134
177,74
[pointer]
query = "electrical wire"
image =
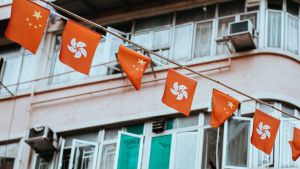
x,y
164,58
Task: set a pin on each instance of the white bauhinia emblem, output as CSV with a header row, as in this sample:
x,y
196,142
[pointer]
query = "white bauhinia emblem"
x,y
263,131
179,91
78,48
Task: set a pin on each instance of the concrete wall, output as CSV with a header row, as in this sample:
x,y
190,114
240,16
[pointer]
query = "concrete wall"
x,y
260,74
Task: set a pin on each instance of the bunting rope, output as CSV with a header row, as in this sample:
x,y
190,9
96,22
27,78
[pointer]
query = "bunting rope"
x,y
162,57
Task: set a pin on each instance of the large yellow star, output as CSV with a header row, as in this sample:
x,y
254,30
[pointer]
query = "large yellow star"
x,y
230,104
37,14
141,61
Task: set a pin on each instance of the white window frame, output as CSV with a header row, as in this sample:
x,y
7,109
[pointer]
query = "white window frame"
x,y
224,153
83,142
191,26
267,27
140,148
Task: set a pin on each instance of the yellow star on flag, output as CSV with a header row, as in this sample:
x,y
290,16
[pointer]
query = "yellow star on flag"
x,y
230,104
37,14
141,61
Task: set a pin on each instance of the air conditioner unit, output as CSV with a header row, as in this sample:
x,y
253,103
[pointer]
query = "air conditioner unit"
x,y
42,139
242,35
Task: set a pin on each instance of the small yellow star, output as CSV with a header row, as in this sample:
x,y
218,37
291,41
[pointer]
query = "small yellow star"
x,y
141,61
230,104
37,15
133,65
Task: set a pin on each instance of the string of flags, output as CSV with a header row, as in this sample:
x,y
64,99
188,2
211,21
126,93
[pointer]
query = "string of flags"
x,y
27,26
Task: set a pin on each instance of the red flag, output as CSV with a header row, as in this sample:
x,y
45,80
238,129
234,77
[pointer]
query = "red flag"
x,y
223,106
295,144
27,24
133,64
78,47
179,92
265,128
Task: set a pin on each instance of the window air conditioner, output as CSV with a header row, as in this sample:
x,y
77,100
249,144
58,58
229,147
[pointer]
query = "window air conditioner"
x,y
42,139
242,35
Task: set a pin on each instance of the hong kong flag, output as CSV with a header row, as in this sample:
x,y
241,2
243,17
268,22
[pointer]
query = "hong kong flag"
x,y
27,24
295,144
179,92
265,128
223,106
78,47
133,64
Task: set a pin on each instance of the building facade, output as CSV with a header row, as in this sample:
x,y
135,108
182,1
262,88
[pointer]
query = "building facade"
x,y
103,123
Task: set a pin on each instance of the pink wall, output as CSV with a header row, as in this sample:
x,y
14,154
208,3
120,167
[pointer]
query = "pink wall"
x,y
263,75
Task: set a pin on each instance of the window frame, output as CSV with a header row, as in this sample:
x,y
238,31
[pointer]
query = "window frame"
x,y
141,137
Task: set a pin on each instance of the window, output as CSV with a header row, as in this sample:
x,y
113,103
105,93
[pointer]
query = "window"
x,y
182,42
41,163
237,142
231,8
160,152
79,152
19,66
203,39
129,154
194,15
292,32
274,29
8,155
111,139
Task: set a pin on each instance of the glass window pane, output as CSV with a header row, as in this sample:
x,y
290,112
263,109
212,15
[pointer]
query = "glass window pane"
x,y
7,163
108,156
128,155
161,39
237,143
209,148
186,150
84,156
136,129
182,42
292,34
223,30
92,137
252,17
232,7
182,122
41,163
292,7
274,29
142,39
160,152
11,68
288,109
28,70
153,22
203,39
9,150
197,14
111,134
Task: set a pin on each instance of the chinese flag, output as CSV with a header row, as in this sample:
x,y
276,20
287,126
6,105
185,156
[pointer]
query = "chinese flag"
x,y
78,47
265,128
133,64
223,106
179,92
27,24
295,144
